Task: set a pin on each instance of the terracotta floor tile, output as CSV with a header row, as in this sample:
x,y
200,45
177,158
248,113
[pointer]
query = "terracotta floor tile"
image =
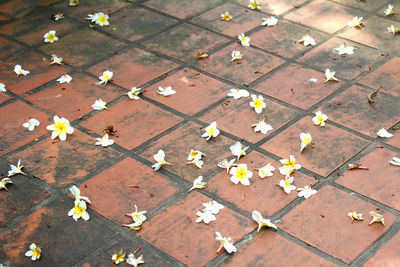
x,y
40,72
387,256
269,248
134,67
387,76
347,109
113,186
194,90
4,97
142,24
44,228
323,15
243,20
182,8
282,38
236,117
254,64
366,5
333,233
375,34
132,118
31,28
299,90
379,182
13,134
177,145
8,47
395,140
61,164
83,47
75,99
184,41
194,244
275,7
347,67
19,8
262,195
333,146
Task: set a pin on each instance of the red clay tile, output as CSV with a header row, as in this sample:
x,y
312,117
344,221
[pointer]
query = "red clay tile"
x,y
194,244
8,47
4,97
387,76
194,90
61,239
184,41
114,186
243,20
366,5
293,85
253,197
62,163
323,15
182,8
322,222
380,182
395,140
270,249
236,117
254,64
19,8
40,72
132,118
333,146
177,145
14,135
347,67
83,47
351,108
282,38
275,7
134,67
142,24
75,99
387,256
375,34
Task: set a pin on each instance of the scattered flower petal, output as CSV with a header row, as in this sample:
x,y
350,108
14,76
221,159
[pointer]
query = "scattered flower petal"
x,y
50,37
77,194
266,171
64,79
33,252
307,40
79,211
236,55
244,40
238,93
257,217
167,91
225,164
258,103
31,124
286,184
99,105
213,206
132,260
198,183
226,16
134,93
319,118
138,216
305,140
395,161
306,191
58,16
160,158
19,71
225,242
393,30
344,49
133,226
16,169
389,10
240,174
313,80
3,183
383,133
211,131
289,166
104,141
56,60
262,127
118,257
330,76
237,150
376,218
197,162
270,21
73,2
205,216
254,4
356,22
354,215
60,128
2,88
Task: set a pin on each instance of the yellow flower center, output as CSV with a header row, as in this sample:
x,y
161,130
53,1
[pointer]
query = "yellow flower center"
x,y
306,140
244,38
102,19
257,103
227,17
254,5
60,126
36,252
287,183
211,131
320,119
106,77
241,173
50,37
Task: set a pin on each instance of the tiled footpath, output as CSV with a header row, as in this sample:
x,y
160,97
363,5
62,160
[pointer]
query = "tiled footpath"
x,y
155,43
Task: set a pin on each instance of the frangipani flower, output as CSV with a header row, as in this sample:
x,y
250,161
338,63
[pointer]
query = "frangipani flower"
x,y
225,242
104,141
226,16
266,171
99,105
3,183
393,30
99,18
50,37
258,103
133,226
56,60
257,217
197,162
376,218
60,128
2,88
286,184
354,215
344,49
198,184
160,158
356,22
305,140
118,257
79,211
77,194
195,154
206,216
167,91
225,164
262,127
211,131
330,76
244,40
319,118
16,169
289,166
238,93
237,150
33,252
307,40
395,161
19,71
241,174
134,93
31,124
58,16
138,217
132,260
73,2
389,10
107,76
383,133
236,55
306,191
254,4
213,206
270,21
64,79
